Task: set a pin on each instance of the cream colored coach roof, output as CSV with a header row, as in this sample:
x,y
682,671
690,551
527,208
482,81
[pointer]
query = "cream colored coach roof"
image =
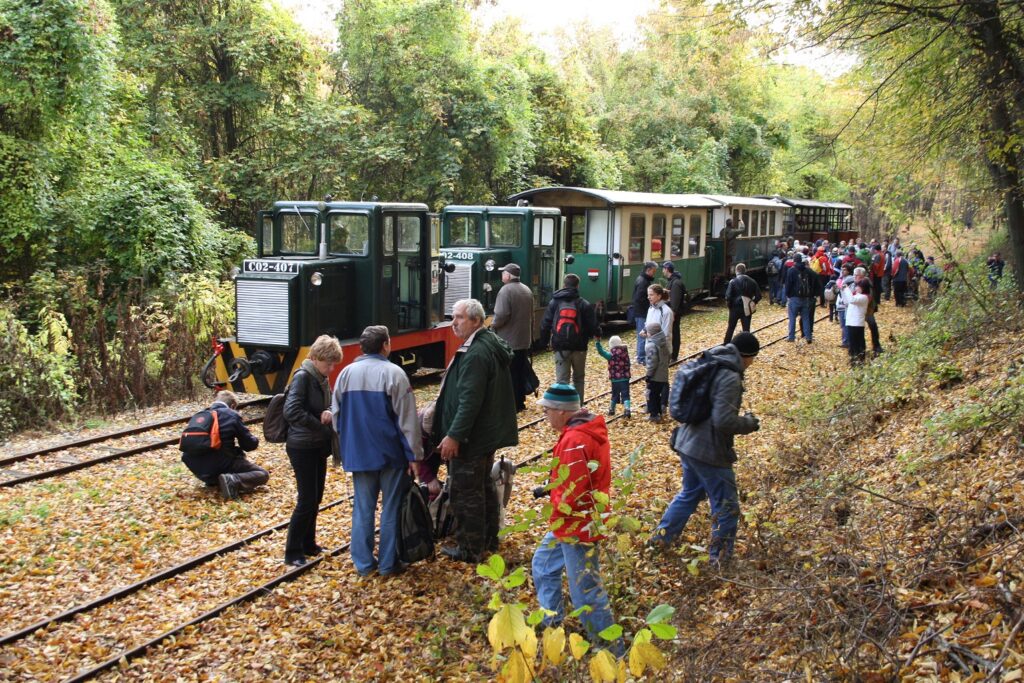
x,y
624,198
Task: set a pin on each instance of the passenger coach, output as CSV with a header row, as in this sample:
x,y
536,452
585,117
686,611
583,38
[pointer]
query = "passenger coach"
x,y
335,268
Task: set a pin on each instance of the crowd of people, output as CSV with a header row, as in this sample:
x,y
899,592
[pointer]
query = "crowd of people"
x,y
369,422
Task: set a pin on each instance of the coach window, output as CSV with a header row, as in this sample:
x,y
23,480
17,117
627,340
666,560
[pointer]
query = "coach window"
x,y
658,238
578,233
637,232
348,234
771,222
505,231
745,219
694,235
298,233
764,222
464,231
678,236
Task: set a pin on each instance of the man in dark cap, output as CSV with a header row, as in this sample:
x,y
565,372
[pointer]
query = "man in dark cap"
x,y
676,301
513,322
707,454
641,304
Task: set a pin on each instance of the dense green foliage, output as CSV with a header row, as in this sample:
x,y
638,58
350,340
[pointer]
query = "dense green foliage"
x,y
138,138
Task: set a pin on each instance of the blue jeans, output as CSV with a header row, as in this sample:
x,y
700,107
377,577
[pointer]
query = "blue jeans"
x,y
842,325
804,307
641,342
700,481
368,485
579,562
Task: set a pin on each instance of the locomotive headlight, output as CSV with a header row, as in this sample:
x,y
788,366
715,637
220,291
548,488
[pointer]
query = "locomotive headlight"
x,y
489,265
233,273
487,287
316,279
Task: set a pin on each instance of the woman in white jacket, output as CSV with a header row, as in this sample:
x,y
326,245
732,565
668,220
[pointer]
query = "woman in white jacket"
x,y
856,299
660,312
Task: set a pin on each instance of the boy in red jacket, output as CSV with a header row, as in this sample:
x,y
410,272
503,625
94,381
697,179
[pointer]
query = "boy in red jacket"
x,y
570,544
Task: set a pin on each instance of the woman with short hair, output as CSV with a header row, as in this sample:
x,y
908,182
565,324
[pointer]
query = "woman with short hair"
x,y
310,435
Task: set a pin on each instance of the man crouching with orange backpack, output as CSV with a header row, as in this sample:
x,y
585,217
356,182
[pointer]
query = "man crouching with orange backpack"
x,y
214,444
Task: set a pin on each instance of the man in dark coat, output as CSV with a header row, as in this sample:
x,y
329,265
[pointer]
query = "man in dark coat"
x,y
570,354
742,290
513,322
227,467
676,301
475,415
641,304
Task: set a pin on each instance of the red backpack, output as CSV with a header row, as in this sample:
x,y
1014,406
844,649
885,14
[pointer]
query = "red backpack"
x,y
567,333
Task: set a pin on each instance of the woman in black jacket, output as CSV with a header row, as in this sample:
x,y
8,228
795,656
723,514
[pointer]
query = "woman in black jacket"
x,y
307,409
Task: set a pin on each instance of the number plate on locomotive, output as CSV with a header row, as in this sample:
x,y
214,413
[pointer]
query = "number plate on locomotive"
x,y
252,266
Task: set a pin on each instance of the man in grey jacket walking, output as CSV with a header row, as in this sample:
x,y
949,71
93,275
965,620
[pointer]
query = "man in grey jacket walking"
x,y
707,454
513,322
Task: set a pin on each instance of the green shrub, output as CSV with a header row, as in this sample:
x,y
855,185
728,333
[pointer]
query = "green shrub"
x,y
37,378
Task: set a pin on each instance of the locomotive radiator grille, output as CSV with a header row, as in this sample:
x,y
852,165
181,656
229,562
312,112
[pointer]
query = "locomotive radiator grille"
x,y
262,312
459,285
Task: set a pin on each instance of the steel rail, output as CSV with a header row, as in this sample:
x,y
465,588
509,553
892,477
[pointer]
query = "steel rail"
x,y
99,438
74,467
268,587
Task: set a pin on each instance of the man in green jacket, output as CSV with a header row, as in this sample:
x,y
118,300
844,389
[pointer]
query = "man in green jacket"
x,y
475,415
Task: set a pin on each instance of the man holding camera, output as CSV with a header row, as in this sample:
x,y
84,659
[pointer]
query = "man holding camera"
x,y
707,454
576,512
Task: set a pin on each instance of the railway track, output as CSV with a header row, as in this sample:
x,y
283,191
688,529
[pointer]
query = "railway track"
x,y
37,463
260,590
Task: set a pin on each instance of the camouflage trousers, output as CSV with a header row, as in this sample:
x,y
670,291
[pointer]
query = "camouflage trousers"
x,y
474,502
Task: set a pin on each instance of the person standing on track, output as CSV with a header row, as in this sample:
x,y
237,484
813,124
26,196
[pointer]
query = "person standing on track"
x,y
676,302
227,466
311,439
474,416
741,296
379,436
513,322
640,306
569,324
800,295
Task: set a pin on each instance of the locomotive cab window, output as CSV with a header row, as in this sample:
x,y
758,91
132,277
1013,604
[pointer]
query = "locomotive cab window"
x,y
504,231
349,234
637,232
267,245
298,233
408,234
543,232
464,231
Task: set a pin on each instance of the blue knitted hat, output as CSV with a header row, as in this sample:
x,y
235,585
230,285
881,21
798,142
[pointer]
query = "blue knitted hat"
x,y
561,397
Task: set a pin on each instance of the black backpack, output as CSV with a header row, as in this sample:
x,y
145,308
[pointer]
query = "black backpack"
x,y
773,267
567,332
202,433
415,530
690,399
804,288
275,427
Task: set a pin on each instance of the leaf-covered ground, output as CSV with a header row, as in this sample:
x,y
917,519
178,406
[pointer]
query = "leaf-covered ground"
x,y
822,585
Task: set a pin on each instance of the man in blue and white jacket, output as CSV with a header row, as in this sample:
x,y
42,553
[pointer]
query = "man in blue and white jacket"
x,y
379,434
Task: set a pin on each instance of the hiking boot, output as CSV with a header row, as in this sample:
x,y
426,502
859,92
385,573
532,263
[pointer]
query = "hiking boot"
x,y
228,486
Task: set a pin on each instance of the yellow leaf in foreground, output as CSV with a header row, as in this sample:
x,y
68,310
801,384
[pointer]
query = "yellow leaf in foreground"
x,y
643,655
603,667
578,646
554,645
508,628
516,669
